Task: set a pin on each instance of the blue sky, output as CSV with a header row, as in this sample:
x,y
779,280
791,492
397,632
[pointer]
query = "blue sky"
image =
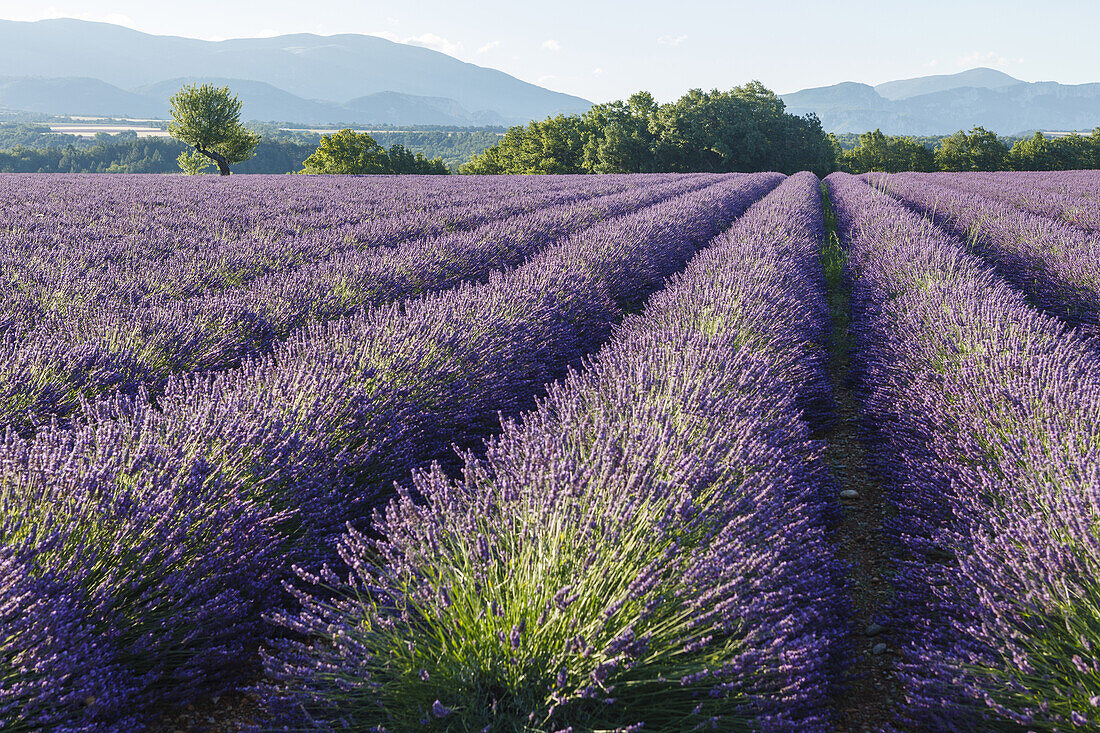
x,y
607,49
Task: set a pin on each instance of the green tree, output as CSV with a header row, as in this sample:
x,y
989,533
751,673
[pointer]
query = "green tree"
x,y
878,152
871,154
554,145
744,129
351,152
709,131
620,136
208,119
404,161
192,162
347,151
978,150
1072,152
1034,154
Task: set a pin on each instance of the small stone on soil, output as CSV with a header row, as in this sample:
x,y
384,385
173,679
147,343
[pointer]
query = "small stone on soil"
x,y
878,648
874,630
849,494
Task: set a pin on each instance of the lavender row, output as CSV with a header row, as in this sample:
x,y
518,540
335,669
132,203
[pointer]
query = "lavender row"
x,y
645,551
986,414
1073,207
48,369
164,529
74,241
1055,264
1084,183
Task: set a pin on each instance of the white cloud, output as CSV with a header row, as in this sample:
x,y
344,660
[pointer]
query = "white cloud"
x,y
424,40
116,18
597,72
551,45
436,43
671,40
267,33
546,79
488,47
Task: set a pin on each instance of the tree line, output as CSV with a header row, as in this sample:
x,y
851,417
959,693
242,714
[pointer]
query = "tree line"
x,y
976,150
741,130
279,151
125,154
744,129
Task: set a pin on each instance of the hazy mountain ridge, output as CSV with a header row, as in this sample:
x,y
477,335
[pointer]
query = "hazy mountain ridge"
x,y
67,66
344,78
942,104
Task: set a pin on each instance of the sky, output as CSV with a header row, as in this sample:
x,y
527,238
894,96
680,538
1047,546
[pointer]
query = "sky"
x,y
608,49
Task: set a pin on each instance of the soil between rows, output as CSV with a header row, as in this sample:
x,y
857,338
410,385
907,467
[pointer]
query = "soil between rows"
x,y
869,690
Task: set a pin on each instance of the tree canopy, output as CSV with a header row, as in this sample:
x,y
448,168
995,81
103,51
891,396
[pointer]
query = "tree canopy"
x,y
1066,152
978,150
878,152
744,129
348,151
208,118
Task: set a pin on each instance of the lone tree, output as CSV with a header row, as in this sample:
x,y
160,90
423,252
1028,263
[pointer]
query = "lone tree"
x,y
347,151
208,118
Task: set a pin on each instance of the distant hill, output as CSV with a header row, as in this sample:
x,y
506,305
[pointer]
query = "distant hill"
x,y
67,66
981,78
260,101
936,105
74,96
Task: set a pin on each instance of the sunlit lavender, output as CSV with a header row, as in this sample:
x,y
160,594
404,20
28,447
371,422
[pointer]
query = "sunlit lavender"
x,y
548,453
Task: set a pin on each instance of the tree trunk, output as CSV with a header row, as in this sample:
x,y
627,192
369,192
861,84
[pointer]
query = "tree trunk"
x,y
223,164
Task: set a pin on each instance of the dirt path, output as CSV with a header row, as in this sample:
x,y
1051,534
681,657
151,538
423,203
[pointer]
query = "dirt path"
x,y
869,690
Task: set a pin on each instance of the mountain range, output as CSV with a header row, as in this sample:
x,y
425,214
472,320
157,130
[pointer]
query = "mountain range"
x,y
933,105
75,67
67,66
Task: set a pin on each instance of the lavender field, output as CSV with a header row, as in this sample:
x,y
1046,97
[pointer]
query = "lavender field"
x,y
737,452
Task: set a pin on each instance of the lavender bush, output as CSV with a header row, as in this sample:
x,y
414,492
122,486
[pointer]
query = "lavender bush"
x,y
987,414
1055,264
177,516
91,344
1054,195
646,550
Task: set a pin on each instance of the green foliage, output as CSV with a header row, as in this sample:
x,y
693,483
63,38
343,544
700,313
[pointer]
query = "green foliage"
x,y
403,161
144,155
1050,634
1068,152
192,162
744,129
878,152
555,145
978,150
850,140
353,152
208,118
454,145
626,142
492,640
347,151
